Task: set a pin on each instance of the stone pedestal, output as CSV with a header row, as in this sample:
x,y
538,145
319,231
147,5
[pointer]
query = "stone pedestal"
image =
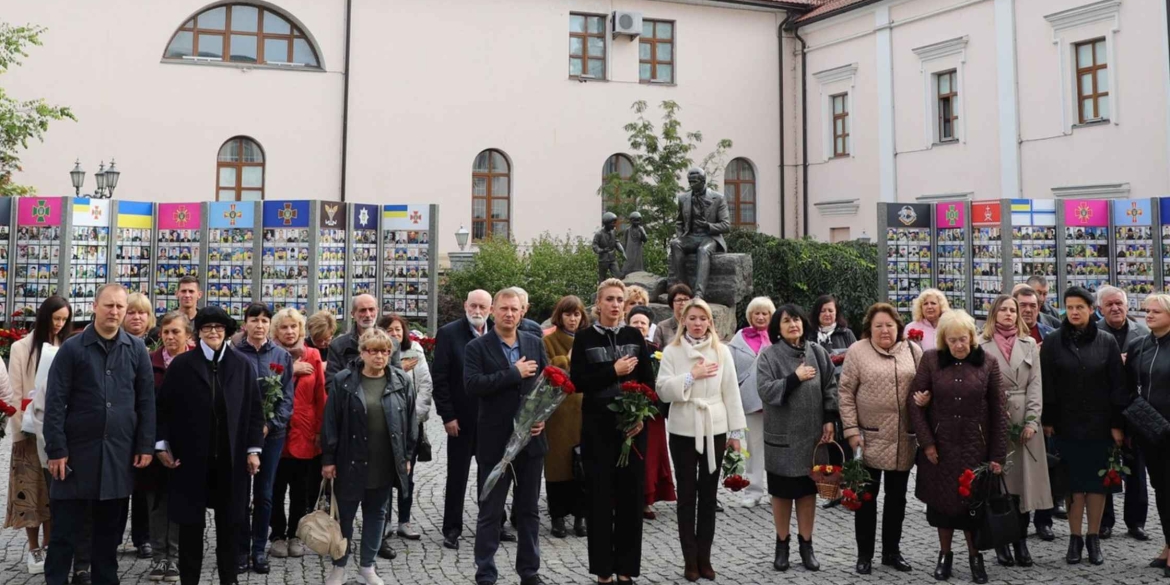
x,y
655,285
460,260
724,317
730,279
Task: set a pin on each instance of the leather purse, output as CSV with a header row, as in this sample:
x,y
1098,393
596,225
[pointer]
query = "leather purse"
x,y
997,517
320,530
1146,419
424,445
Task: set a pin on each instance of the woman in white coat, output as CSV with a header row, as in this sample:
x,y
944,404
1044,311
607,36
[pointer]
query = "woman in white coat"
x,y
698,379
1007,339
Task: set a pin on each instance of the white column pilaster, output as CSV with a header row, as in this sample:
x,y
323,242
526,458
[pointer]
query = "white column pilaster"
x,y
1008,98
888,173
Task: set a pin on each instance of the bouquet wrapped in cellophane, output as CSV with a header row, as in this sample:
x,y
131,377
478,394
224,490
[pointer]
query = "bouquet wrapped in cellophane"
x,y
551,389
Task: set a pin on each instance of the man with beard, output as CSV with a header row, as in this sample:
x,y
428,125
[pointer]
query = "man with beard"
x,y
458,409
344,349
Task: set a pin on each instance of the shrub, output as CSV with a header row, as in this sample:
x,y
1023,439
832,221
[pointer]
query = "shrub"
x,y
799,271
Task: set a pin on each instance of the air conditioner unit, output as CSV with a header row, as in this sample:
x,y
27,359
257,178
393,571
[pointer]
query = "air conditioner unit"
x,y
627,23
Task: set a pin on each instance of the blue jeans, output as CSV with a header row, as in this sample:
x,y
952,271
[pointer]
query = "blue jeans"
x,y
375,503
261,500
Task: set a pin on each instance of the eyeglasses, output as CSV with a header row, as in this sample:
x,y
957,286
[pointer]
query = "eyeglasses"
x,y
213,327
377,351
681,301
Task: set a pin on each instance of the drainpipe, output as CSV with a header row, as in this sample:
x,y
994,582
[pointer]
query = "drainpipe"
x,y
804,122
780,67
345,99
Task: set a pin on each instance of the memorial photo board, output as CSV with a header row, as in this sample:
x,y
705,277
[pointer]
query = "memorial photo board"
x,y
180,249
37,266
908,253
133,242
363,250
1133,236
6,208
1086,243
1034,243
986,255
951,252
89,248
406,249
231,239
331,250
284,265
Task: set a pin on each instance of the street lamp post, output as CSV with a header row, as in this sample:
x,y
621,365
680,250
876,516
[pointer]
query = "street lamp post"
x,y
106,179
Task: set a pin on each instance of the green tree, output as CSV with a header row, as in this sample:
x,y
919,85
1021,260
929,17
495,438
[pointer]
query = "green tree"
x,y
661,157
20,121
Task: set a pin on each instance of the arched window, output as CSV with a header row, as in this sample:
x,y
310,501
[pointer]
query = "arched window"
x,y
739,186
240,171
617,166
242,33
491,195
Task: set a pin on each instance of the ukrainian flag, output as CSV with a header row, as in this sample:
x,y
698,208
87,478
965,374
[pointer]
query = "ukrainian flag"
x,y
1021,205
135,214
81,205
394,212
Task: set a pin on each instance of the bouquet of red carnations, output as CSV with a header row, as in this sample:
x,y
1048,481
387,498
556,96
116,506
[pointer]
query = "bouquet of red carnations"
x,y
551,389
733,467
914,335
1114,469
635,404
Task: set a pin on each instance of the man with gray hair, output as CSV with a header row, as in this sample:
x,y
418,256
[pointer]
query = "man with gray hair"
x,y
1113,303
1048,314
527,325
343,350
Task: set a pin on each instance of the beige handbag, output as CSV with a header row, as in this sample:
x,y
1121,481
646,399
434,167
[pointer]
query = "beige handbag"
x,y
320,530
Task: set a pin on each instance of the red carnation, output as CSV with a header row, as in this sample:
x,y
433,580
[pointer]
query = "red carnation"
x,y
867,497
837,359
276,368
914,335
848,494
965,492
7,409
735,483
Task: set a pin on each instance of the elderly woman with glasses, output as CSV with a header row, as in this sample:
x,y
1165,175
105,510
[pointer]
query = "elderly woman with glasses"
x,y
677,297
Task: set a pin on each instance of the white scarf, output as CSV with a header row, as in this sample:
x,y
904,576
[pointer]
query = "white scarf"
x,y
824,334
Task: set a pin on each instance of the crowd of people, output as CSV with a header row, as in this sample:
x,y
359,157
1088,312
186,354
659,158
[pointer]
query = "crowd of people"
x,y
116,435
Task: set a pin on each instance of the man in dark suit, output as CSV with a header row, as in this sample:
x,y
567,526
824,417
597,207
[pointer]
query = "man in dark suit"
x,y
458,410
702,220
502,368
343,350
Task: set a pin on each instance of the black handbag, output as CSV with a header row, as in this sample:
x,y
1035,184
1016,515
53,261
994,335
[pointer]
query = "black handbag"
x,y
997,516
1146,419
578,465
424,445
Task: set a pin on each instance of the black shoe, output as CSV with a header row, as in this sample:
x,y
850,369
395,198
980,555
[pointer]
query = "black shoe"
x,y
242,564
1138,533
1023,557
780,563
1106,532
978,571
451,541
1003,556
864,566
1076,544
1166,572
580,528
718,506
942,571
507,535
1093,545
386,551
807,557
1158,564
260,563
145,551
533,580
82,578
1045,533
1059,511
896,561
558,528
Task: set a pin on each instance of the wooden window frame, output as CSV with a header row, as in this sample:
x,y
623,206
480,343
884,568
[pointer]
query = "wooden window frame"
x,y
489,197
295,32
1094,70
733,191
653,60
947,100
585,36
239,167
844,117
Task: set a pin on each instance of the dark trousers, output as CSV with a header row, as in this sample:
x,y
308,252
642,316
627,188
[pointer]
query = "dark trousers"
x,y
615,493
696,483
69,519
893,513
565,498
375,505
1158,463
292,475
460,450
703,247
138,512
1043,518
1137,499
82,552
526,471
219,488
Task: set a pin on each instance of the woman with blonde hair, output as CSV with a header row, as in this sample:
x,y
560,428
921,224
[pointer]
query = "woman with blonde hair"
x,y
1007,339
637,296
319,334
698,379
927,309
139,320
1149,377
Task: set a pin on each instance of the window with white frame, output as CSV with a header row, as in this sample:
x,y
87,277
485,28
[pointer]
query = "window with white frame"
x,y
836,99
1092,81
1084,37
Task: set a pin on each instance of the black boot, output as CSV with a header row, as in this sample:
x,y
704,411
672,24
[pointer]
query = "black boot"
x,y
942,571
579,527
1093,544
978,571
807,558
781,561
1003,556
558,528
897,561
1076,544
1023,557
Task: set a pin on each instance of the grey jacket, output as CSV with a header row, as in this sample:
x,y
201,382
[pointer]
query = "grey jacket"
x,y
794,412
745,368
1137,330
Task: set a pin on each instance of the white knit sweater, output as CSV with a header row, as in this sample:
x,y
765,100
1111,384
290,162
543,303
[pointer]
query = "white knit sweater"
x,y
700,408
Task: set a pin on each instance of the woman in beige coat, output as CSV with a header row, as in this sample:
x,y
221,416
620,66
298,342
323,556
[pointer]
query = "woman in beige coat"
x,y
1007,339
874,385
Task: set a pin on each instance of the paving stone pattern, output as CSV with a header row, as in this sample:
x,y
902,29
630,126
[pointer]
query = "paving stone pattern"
x,y
742,554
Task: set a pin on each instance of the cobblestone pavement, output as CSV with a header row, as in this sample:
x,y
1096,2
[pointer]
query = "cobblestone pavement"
x,y
742,554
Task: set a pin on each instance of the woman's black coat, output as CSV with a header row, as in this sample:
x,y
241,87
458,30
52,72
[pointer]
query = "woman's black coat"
x,y
1084,383
185,424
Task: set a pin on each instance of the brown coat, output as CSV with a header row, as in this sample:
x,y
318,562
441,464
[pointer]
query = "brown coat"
x,y
564,426
873,389
965,421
